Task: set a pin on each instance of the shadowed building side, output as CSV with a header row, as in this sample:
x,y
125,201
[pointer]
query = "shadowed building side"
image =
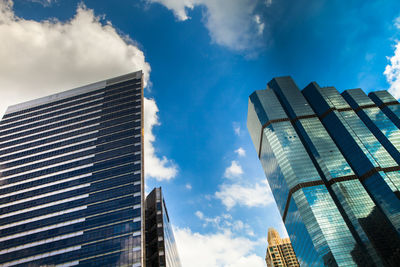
x,y
161,247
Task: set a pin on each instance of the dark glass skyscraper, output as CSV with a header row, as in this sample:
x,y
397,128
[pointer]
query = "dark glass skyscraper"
x,y
332,162
71,181
161,248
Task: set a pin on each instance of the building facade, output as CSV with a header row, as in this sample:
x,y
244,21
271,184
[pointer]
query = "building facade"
x,y
280,252
332,162
71,183
161,248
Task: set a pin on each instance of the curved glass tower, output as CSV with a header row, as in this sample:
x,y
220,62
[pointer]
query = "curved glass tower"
x,y
331,163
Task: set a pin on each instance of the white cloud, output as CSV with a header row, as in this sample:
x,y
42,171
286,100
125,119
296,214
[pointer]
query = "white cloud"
x,y
42,58
231,23
179,7
236,128
222,221
188,186
397,23
257,195
238,225
225,222
260,24
241,152
233,171
46,57
199,214
160,169
392,72
222,249
45,3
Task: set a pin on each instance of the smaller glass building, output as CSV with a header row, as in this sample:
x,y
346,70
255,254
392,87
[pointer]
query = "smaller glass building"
x,y
161,248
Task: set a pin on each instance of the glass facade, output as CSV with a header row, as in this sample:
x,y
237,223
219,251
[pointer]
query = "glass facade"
x,y
71,182
334,177
161,248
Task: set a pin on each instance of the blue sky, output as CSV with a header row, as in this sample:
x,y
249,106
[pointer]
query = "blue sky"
x,y
202,59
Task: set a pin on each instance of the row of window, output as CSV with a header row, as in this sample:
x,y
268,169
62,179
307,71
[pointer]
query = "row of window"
x,y
105,121
88,248
74,106
7,117
94,215
73,134
83,173
110,163
41,205
101,107
94,186
103,115
129,144
87,235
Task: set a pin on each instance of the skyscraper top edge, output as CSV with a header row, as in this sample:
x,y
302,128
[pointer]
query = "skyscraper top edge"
x,y
73,92
129,76
381,97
